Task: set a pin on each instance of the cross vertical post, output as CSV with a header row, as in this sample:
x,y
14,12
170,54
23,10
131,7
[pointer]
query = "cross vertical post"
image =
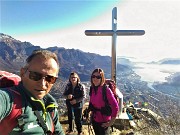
x,y
114,41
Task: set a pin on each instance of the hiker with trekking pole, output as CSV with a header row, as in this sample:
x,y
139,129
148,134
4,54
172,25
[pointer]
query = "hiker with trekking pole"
x,y
103,105
74,94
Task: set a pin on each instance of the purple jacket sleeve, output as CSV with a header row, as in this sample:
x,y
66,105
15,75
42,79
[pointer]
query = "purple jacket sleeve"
x,y
113,103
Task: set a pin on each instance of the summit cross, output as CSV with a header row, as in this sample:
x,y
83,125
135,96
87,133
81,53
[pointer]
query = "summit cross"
x,y
114,33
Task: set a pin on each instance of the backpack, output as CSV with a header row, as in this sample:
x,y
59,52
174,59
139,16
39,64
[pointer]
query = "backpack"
x,y
112,85
11,121
8,80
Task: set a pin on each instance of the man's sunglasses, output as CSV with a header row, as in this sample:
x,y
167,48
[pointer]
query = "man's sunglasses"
x,y
98,77
35,76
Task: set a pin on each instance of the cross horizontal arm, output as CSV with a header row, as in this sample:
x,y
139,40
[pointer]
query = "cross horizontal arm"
x,y
130,32
111,32
99,32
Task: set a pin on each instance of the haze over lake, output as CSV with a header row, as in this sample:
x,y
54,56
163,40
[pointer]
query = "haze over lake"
x,y
155,72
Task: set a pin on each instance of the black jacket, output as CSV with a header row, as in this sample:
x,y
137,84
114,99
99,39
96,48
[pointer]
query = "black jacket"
x,y
78,95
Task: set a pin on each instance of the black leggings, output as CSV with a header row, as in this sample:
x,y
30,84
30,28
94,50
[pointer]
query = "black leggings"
x,y
77,115
100,130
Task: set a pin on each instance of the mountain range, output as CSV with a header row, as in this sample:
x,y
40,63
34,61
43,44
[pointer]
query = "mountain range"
x,y
13,54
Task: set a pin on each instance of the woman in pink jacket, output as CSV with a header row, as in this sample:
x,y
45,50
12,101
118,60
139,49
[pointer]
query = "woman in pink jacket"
x,y
101,120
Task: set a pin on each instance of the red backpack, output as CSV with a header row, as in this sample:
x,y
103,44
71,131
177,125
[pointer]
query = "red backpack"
x,y
112,85
8,80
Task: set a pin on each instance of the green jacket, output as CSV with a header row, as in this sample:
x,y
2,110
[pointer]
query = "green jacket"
x,y
47,108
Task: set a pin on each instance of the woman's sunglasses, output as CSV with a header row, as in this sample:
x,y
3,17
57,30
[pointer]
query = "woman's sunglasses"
x,y
35,76
98,77
73,77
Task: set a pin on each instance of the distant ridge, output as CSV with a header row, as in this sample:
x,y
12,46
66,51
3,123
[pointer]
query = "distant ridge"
x,y
14,52
170,61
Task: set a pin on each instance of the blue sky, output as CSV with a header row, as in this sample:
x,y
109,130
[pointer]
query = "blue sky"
x,y
25,17
62,23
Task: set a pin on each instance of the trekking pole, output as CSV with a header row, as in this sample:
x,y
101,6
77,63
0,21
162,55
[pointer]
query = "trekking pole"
x,y
90,130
